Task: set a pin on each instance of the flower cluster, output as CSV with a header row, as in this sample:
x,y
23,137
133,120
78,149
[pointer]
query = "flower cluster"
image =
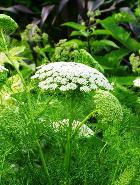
x,y
32,33
7,23
137,82
84,130
107,106
69,51
67,76
64,51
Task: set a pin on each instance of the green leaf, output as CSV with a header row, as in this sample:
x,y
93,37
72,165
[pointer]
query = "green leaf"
x,y
3,58
79,33
74,25
80,43
84,57
120,34
113,58
16,50
103,43
101,32
124,17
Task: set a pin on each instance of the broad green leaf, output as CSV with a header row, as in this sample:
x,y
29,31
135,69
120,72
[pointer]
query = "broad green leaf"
x,y
79,42
101,32
3,58
103,43
84,57
74,25
16,50
113,58
124,17
79,33
120,34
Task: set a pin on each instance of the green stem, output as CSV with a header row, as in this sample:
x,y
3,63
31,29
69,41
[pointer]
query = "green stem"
x,y
4,40
68,146
44,163
115,172
83,122
67,159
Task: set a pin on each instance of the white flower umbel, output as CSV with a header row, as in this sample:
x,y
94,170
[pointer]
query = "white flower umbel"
x,y
2,68
84,130
67,76
137,82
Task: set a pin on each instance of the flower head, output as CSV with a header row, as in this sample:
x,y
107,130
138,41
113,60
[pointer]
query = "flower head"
x,y
84,130
107,106
7,23
137,82
67,76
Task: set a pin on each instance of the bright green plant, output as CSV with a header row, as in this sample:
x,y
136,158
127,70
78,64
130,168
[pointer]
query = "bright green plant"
x,y
126,176
70,79
12,57
7,54
70,51
7,24
64,51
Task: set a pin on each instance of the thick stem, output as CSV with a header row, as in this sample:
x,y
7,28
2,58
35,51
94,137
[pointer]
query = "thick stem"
x,y
67,159
68,146
4,40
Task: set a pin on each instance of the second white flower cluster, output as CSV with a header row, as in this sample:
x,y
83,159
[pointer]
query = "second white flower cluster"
x,y
84,130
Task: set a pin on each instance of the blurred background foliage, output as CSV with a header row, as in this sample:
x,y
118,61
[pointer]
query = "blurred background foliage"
x,y
53,30
50,14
